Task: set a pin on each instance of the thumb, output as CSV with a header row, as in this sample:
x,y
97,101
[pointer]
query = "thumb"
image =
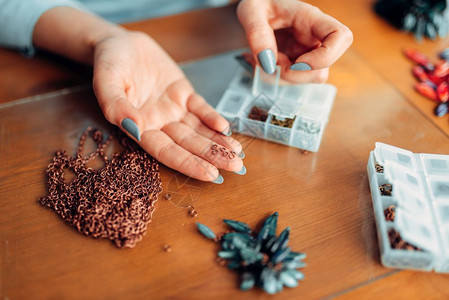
x,y
259,33
118,110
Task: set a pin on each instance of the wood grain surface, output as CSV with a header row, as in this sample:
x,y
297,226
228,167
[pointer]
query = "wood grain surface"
x,y
324,197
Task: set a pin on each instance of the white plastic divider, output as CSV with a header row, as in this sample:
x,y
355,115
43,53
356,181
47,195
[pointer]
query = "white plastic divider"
x,y
285,108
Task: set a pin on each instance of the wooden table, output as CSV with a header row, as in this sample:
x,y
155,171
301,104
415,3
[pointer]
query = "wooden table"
x,y
324,197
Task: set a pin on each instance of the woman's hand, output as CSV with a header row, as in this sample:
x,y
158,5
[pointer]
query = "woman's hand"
x,y
142,90
297,36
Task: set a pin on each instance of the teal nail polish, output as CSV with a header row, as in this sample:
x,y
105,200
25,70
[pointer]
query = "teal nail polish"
x,y
242,171
242,155
267,60
219,179
227,132
301,67
131,126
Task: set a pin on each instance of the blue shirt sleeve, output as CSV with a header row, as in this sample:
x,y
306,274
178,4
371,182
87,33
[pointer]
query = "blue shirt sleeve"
x,y
18,18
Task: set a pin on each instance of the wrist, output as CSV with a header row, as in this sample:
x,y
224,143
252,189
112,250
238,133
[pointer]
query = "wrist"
x,y
94,35
72,33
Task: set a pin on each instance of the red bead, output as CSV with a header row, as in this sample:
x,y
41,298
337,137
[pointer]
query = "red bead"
x,y
441,69
426,90
420,74
435,79
419,58
443,92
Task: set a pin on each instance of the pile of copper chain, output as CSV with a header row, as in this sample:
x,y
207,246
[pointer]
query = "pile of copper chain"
x,y
114,202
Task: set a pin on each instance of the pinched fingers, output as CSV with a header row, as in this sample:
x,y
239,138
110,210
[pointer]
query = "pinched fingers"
x,y
335,39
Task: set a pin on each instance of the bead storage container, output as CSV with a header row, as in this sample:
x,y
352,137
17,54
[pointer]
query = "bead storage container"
x,y
263,107
415,234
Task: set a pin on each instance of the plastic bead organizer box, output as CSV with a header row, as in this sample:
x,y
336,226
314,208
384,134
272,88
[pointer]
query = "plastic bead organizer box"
x,y
420,193
294,115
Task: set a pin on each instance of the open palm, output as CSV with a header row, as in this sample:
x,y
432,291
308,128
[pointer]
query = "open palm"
x,y
135,80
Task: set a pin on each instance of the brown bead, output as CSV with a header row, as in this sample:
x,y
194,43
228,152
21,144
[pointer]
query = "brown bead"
x,y
398,243
288,123
386,189
193,214
379,168
389,213
219,237
258,114
220,261
167,196
167,248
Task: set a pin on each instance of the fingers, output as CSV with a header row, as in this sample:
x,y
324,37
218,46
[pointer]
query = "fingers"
x,y
315,76
335,40
311,28
230,143
207,114
115,105
253,15
187,138
159,145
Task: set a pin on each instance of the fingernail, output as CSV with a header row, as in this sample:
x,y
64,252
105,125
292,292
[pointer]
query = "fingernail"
x,y
242,154
131,127
219,179
301,67
227,132
242,171
267,60
244,64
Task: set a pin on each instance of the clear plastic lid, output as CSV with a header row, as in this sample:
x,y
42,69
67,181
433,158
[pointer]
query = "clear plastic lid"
x,y
435,164
267,84
412,201
384,152
416,231
396,173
